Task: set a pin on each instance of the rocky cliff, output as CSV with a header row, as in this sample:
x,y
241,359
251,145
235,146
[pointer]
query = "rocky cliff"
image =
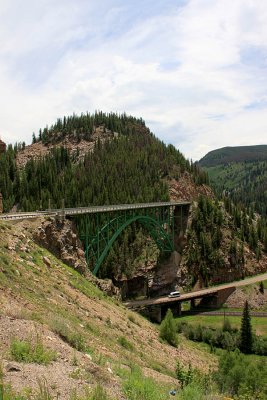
x,y
60,237
77,148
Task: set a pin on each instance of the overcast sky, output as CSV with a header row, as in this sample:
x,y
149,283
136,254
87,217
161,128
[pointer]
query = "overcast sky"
x,y
194,70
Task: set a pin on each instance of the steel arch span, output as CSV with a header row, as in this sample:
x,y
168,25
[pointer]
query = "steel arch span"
x,y
161,221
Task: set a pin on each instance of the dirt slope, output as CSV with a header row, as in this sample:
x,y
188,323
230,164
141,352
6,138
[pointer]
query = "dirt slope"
x,y
94,337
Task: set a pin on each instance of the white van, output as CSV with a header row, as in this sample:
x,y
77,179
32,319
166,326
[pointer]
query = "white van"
x,y
174,294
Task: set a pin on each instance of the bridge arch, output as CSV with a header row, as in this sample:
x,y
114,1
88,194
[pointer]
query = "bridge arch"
x,y
101,244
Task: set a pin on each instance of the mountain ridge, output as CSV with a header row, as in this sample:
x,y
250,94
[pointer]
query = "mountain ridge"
x,y
230,154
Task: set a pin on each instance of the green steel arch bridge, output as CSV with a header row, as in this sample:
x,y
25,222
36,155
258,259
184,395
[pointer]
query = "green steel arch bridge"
x,y
165,222
100,226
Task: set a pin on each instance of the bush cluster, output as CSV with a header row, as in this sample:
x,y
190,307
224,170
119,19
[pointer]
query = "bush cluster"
x,y
241,376
226,338
30,351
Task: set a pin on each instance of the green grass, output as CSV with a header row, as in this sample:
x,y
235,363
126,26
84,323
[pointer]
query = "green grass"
x,y
259,324
43,393
30,351
125,343
73,338
138,387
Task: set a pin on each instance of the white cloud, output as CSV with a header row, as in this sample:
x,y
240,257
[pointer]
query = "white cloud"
x,y
196,72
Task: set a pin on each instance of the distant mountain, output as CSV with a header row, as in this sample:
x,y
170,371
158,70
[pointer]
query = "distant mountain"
x,y
240,173
227,155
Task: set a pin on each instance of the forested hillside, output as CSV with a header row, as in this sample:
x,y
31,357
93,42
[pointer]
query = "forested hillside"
x,y
128,165
237,154
240,173
133,166
125,163
224,243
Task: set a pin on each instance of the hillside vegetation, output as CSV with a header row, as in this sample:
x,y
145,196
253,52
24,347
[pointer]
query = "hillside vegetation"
x,y
62,338
241,174
124,163
92,338
131,165
237,154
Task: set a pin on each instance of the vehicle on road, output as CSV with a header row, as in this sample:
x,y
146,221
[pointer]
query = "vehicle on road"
x,y
175,294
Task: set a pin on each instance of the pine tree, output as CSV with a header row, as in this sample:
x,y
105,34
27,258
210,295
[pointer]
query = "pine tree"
x,y
168,329
246,339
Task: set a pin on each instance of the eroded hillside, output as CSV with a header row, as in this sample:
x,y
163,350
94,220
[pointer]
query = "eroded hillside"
x,y
93,337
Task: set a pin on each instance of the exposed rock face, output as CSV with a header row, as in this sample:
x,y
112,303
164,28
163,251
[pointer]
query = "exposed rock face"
x,y
1,203
61,238
2,147
156,280
185,189
166,276
77,148
256,299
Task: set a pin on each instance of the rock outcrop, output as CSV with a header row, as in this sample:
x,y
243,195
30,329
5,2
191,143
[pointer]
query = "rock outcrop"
x,y
2,147
76,148
60,237
184,189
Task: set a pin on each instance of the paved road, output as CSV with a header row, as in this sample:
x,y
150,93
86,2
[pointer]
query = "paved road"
x,y
196,294
91,210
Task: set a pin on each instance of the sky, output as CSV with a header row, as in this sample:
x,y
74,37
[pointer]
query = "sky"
x,y
194,70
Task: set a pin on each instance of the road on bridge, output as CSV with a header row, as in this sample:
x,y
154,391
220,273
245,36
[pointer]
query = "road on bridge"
x,y
195,294
90,210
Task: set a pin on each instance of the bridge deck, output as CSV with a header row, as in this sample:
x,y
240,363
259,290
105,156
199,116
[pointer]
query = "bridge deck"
x,y
92,209
195,294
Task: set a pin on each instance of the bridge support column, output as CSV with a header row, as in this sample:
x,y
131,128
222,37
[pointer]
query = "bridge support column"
x,y
154,313
216,300
175,308
223,295
192,304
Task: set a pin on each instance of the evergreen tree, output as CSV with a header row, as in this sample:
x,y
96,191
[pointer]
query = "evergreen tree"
x,y
168,329
246,340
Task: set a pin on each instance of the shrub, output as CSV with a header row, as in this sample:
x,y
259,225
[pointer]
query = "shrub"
x,y
74,339
168,329
26,351
184,376
98,394
138,387
239,375
226,325
125,343
225,339
259,346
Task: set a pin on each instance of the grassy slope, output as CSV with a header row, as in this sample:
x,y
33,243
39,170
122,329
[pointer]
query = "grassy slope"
x,y
55,302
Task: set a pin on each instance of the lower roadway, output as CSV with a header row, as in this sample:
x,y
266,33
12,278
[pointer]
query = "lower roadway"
x,y
195,294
